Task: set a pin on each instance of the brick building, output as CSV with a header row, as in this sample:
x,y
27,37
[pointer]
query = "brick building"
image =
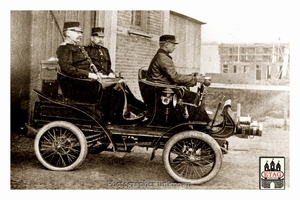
x,y
131,37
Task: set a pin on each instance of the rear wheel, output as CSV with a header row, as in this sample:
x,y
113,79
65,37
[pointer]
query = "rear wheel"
x,y
60,146
192,157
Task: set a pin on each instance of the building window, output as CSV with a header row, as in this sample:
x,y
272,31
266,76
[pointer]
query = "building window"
x,y
259,57
242,58
280,72
266,58
225,50
136,19
139,20
225,69
258,73
259,50
234,68
267,50
269,72
233,58
225,57
246,69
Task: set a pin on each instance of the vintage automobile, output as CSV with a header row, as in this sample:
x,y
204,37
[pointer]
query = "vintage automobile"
x,y
69,127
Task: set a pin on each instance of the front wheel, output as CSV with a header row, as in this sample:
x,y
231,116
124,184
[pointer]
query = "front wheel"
x,y
192,157
60,146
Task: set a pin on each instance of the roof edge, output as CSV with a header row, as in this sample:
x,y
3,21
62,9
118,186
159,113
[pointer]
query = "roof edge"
x,y
190,18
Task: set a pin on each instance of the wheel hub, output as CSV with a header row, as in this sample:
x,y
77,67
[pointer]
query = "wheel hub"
x,y
192,158
62,145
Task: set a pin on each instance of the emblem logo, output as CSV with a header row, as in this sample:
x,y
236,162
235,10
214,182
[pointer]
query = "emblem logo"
x,y
271,173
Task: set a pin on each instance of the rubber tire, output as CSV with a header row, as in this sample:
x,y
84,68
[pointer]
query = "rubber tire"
x,y
198,135
75,130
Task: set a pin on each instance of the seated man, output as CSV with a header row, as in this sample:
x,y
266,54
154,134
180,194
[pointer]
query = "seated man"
x,y
75,61
98,53
162,70
120,92
100,57
71,58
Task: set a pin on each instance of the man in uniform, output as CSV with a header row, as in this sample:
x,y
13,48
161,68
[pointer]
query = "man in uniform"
x,y
101,58
98,53
76,61
113,97
162,70
71,57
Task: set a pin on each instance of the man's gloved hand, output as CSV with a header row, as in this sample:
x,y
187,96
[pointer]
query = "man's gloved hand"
x,y
92,76
101,75
111,75
121,81
93,68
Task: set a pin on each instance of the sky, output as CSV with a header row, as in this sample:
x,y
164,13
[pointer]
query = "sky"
x,y
243,21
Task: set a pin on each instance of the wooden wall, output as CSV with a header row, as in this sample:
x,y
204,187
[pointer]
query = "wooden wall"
x,y
188,52
20,66
35,37
47,33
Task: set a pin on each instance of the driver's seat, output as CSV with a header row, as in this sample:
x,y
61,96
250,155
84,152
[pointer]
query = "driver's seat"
x,y
159,114
148,88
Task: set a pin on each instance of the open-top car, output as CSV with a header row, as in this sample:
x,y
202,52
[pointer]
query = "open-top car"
x,y
70,125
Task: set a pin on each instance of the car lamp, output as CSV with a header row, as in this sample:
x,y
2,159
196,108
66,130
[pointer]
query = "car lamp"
x,y
167,96
207,81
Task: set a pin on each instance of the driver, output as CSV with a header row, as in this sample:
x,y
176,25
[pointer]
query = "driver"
x,y
162,70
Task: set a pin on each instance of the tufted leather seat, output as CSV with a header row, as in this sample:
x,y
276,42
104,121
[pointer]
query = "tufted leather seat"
x,y
77,89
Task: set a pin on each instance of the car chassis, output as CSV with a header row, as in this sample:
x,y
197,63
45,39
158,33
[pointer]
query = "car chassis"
x,y
68,128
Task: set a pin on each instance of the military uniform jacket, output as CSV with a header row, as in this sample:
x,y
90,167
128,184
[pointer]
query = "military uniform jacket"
x,y
162,70
100,57
72,61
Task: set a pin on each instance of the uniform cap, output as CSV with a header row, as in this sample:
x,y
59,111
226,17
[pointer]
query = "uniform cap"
x,y
72,26
168,38
98,31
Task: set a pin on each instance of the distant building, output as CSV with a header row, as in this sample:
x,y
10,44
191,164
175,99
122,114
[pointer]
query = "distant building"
x,y
247,63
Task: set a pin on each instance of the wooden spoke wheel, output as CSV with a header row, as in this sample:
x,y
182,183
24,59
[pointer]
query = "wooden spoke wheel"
x,y
60,146
192,157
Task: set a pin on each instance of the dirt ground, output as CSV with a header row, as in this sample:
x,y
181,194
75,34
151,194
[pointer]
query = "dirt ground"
x,y
240,168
